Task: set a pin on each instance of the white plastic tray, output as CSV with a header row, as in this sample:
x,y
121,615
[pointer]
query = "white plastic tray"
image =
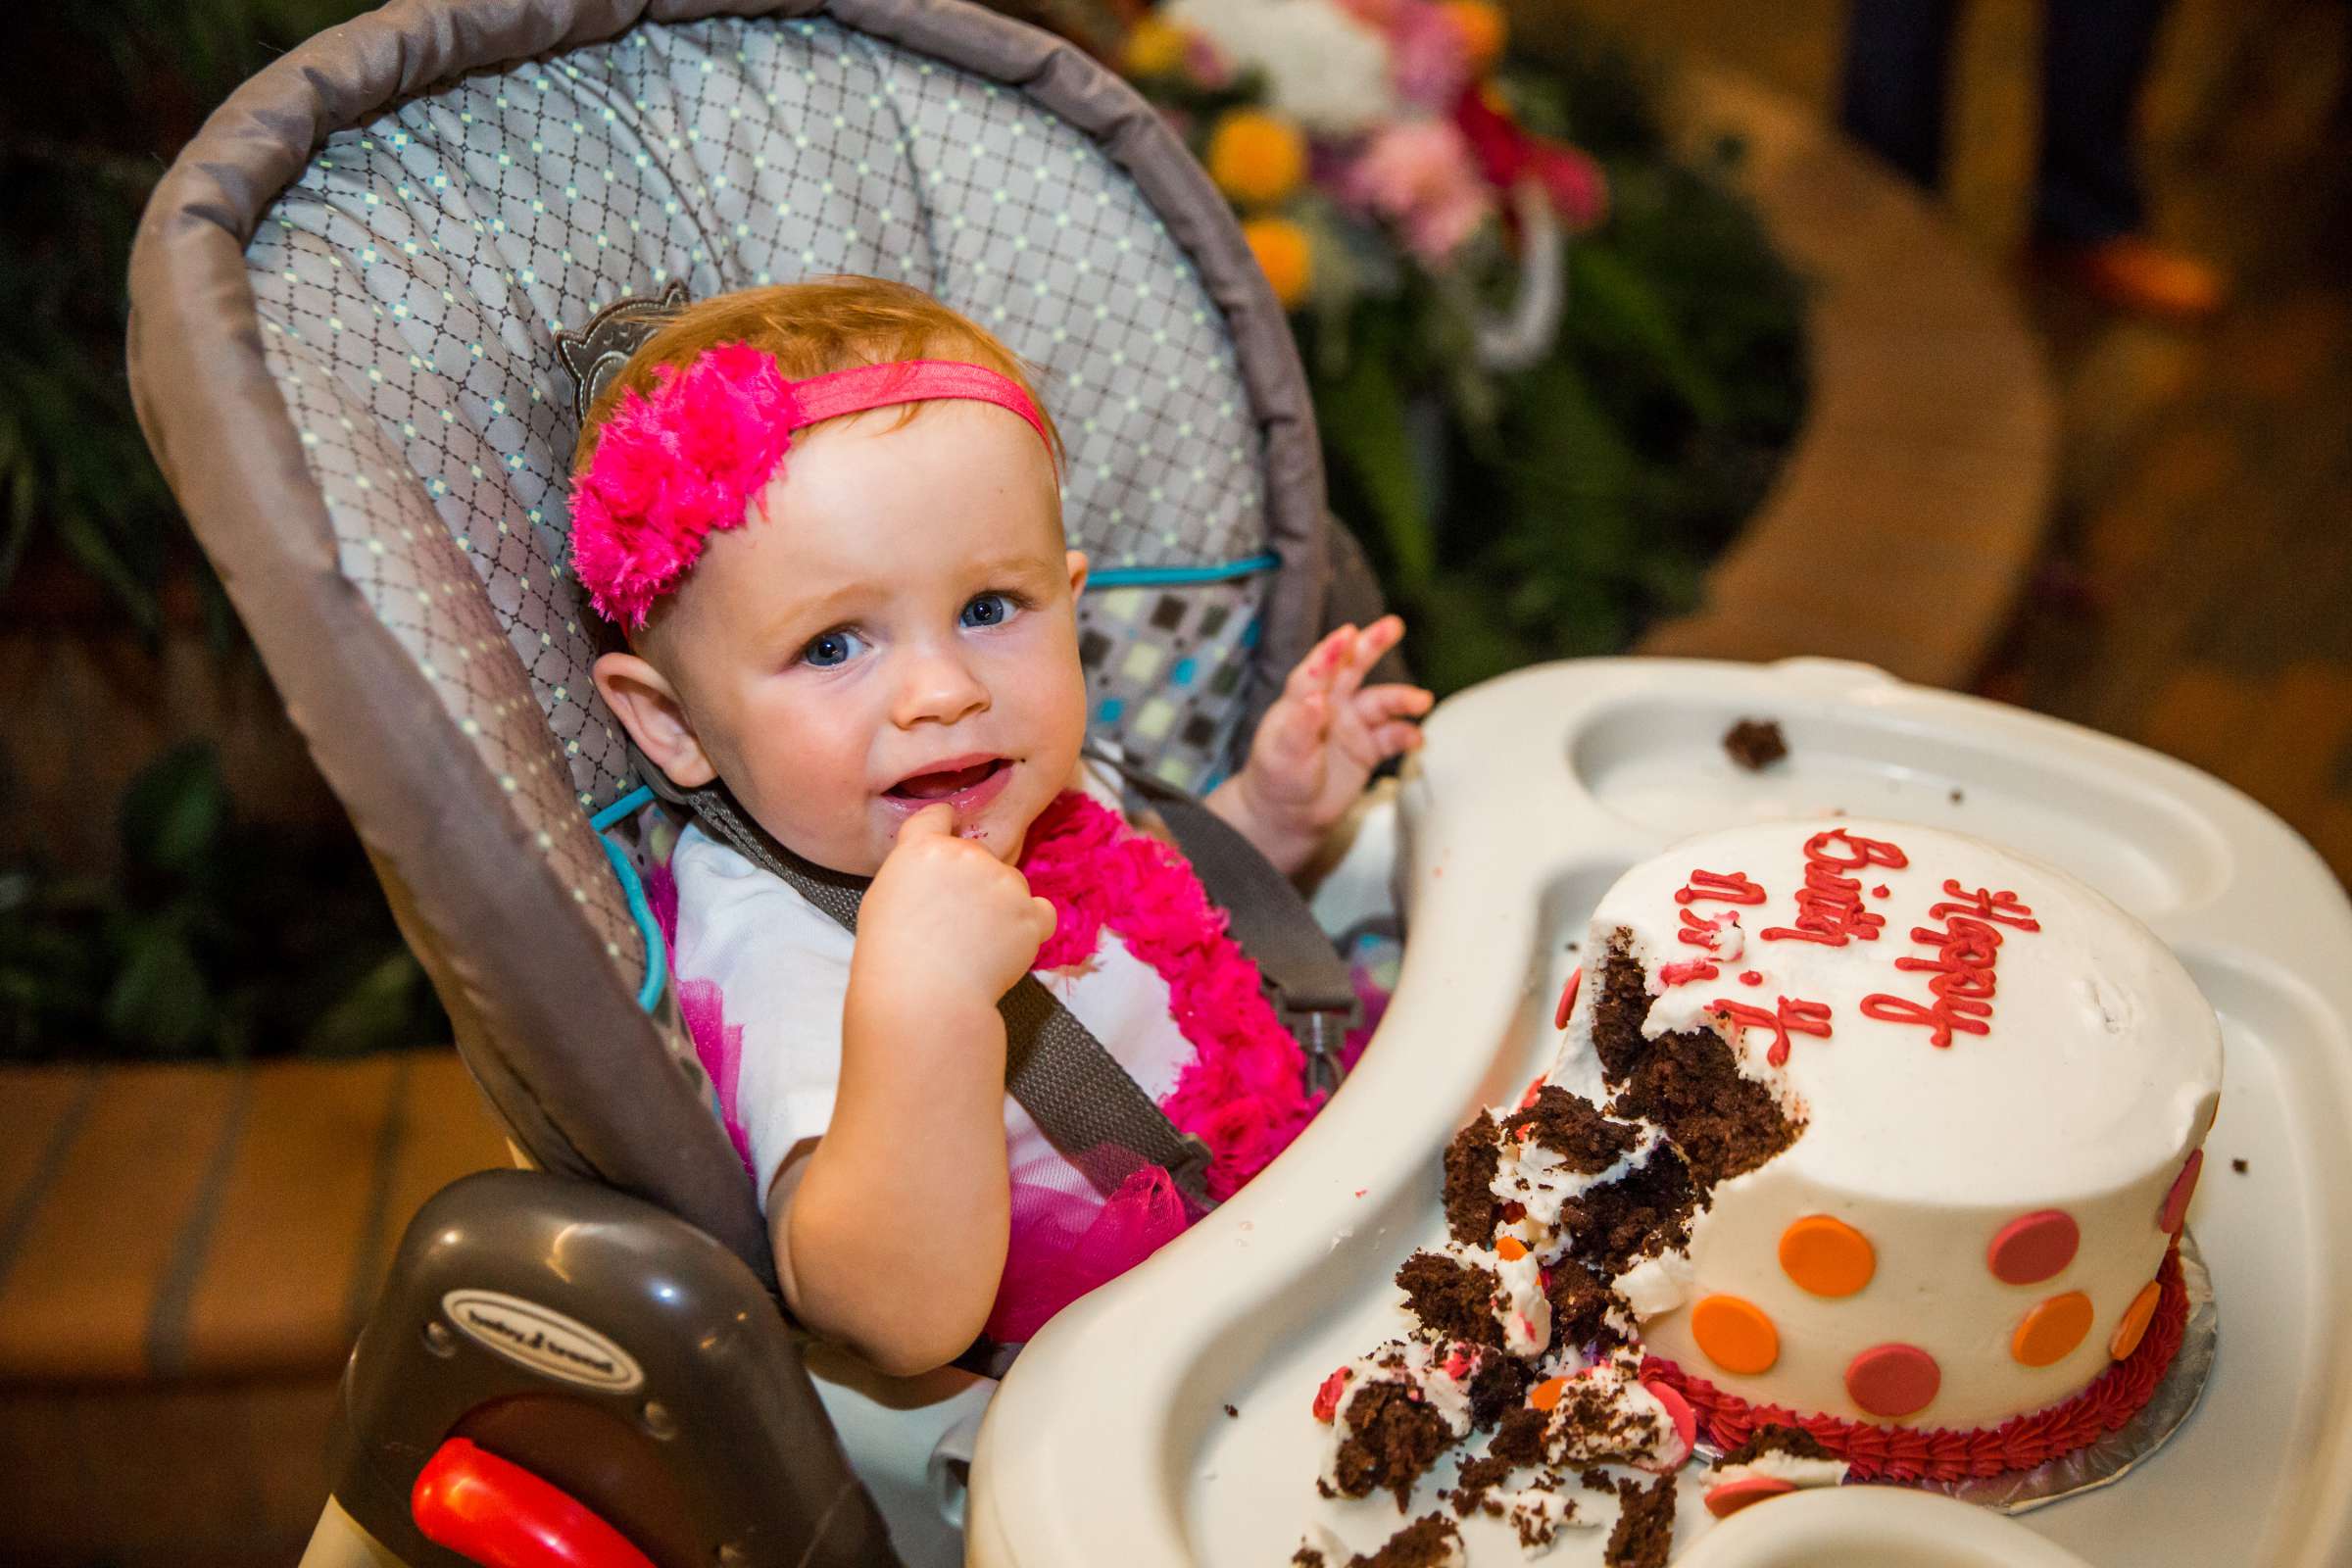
x,y
1110,1443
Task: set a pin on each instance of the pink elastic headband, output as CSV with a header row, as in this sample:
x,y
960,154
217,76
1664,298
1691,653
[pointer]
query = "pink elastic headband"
x,y
673,468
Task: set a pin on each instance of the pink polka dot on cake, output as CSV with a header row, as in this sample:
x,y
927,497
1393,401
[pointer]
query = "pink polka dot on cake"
x,y
2175,1201
1893,1379
2033,1247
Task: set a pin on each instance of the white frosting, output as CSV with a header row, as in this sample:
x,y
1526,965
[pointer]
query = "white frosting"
x,y
1538,1179
1638,1419
1794,1469
1537,1513
2098,1069
1523,1309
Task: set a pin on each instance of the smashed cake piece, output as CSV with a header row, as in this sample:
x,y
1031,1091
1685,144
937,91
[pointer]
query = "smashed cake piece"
x,y
1755,744
1429,1541
1644,1531
1774,1460
1394,1413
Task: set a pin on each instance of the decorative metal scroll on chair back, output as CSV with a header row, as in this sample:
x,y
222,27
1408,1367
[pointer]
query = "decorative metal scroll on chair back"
x,y
426,207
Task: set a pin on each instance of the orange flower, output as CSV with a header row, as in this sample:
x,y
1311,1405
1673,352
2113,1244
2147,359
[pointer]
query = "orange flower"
x,y
1153,48
1483,29
1257,157
1283,255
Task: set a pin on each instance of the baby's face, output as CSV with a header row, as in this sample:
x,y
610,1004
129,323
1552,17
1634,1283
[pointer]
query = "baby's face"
x,y
899,628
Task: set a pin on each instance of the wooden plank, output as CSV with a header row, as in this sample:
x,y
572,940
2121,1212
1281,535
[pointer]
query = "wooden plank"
x,y
74,1305
276,1275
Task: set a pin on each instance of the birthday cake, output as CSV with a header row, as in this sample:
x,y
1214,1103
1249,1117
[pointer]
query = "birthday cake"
x,y
1866,1152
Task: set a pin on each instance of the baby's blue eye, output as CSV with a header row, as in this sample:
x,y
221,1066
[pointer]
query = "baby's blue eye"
x,y
988,609
827,650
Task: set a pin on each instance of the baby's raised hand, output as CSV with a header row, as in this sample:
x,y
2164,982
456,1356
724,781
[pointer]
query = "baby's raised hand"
x,y
945,923
1318,744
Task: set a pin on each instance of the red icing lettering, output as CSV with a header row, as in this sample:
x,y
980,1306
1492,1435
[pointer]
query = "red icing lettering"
x,y
1683,974
1750,977
1984,904
1727,887
1828,907
1788,1017
1707,934
1966,948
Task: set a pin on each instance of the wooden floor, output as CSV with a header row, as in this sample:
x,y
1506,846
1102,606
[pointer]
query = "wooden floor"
x,y
2196,593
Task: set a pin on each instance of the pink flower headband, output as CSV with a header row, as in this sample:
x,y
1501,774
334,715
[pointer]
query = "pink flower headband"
x,y
673,468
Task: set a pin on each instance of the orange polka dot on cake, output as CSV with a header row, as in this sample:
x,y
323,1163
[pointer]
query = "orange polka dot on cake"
x,y
1827,1256
2136,1318
1735,1335
2033,1247
1893,1379
2051,1330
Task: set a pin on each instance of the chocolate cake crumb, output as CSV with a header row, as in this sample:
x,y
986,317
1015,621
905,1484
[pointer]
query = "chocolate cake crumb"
x,y
1755,743
1638,1216
1580,1304
1644,1531
1453,1301
1307,1557
1572,1128
1395,1439
2239,1165
1231,1411
1470,1202
1769,1439
1426,1543
1575,947
1498,1386
1519,1437
1480,1477
1957,797
1598,1479
1689,1082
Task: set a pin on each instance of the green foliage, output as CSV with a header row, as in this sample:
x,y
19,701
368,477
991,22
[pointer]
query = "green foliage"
x,y
1557,510
216,938
94,102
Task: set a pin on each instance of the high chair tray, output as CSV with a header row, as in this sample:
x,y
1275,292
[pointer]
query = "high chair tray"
x,y
1112,1443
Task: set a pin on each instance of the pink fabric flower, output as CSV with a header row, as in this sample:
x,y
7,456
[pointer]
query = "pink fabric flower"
x,y
673,468
1419,174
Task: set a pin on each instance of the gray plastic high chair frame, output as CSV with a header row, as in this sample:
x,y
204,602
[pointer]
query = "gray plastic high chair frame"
x,y
473,816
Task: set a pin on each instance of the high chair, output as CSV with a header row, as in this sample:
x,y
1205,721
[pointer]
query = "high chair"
x,y
345,296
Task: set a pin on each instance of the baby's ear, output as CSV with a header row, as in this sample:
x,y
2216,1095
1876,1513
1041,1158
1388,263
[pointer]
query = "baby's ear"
x,y
1075,560
649,708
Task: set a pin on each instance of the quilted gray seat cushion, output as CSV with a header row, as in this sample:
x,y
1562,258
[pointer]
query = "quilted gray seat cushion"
x,y
409,283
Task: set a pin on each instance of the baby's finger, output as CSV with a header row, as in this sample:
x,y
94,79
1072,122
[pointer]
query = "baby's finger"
x,y
1396,736
1364,652
932,821
1314,671
1297,730
1376,703
1047,916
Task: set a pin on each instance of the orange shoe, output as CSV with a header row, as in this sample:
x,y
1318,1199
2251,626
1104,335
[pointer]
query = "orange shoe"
x,y
2132,272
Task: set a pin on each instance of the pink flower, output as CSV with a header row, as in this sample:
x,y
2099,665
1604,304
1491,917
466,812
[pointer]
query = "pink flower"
x,y
1419,175
671,468
1429,62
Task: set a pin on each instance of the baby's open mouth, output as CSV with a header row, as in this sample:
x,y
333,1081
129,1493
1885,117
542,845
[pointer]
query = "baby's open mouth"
x,y
945,782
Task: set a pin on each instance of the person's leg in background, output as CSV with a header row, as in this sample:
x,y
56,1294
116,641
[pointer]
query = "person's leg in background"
x,y
2089,216
1897,70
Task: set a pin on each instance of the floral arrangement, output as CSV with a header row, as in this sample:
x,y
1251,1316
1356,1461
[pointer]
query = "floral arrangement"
x,y
1370,118
1554,365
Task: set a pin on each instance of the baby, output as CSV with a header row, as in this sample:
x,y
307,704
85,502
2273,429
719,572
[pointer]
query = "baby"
x,y
873,643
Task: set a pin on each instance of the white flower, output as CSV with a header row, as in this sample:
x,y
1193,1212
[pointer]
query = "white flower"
x,y
1323,68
